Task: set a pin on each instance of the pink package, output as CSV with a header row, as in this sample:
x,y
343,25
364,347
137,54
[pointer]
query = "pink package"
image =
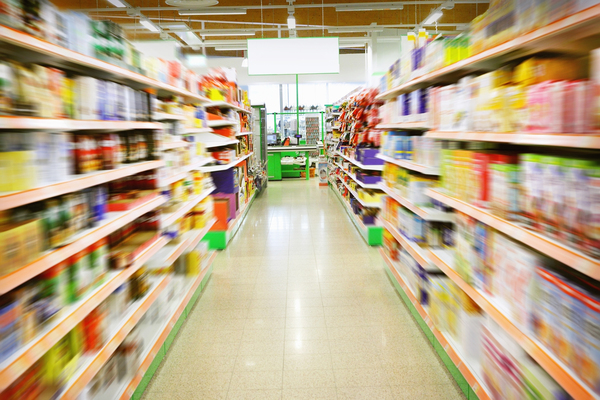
x,y
556,97
579,101
538,104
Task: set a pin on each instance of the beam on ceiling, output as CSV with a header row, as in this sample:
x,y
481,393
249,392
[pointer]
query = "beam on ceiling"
x,y
375,5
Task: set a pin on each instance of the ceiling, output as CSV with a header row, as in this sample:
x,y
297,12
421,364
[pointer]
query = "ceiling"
x,y
268,19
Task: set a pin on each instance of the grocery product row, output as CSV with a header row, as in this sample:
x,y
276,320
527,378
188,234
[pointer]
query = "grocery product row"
x,y
506,26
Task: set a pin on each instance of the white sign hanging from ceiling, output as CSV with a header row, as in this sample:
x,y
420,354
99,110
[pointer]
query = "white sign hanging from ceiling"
x,y
291,56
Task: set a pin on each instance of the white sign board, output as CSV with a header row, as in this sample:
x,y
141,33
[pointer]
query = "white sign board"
x,y
293,56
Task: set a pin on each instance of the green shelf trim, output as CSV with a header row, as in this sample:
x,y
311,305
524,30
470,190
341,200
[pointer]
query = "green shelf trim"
x,y
162,352
453,369
373,235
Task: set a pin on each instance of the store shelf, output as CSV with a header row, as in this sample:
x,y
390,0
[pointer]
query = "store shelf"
x,y
81,242
243,133
68,318
225,166
581,140
75,183
562,374
169,219
372,234
466,367
419,125
234,225
416,252
545,245
172,251
126,391
40,51
427,213
559,36
360,165
192,131
224,104
374,186
217,123
176,144
161,116
210,140
361,201
65,125
91,364
423,169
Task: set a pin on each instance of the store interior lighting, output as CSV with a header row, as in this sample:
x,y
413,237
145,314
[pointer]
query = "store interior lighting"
x,y
433,17
291,21
149,25
190,38
370,7
118,3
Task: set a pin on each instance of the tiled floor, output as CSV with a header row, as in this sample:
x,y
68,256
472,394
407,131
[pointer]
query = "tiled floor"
x,y
299,307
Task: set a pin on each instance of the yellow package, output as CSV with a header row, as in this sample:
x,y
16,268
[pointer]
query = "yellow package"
x,y
537,70
194,262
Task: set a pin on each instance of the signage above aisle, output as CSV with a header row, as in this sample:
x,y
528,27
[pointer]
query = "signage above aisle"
x,y
295,56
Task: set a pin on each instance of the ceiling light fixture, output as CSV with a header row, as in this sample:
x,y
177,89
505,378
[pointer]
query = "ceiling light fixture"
x,y
433,17
149,25
118,3
190,38
291,22
214,11
372,7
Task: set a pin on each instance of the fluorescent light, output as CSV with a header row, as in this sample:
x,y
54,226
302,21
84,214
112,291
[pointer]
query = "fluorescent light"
x,y
245,63
433,17
291,22
117,3
190,38
226,32
214,11
149,25
371,7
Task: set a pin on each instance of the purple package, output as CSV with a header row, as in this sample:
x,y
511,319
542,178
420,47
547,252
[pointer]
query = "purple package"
x,y
423,99
102,100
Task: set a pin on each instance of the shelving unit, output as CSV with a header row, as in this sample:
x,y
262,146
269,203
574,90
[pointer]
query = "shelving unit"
x,y
360,165
562,374
545,245
170,219
361,201
360,183
549,37
80,242
66,125
462,369
582,140
219,239
215,123
27,355
26,48
78,182
372,234
39,50
165,334
427,213
91,363
573,36
225,166
423,169
420,125
243,133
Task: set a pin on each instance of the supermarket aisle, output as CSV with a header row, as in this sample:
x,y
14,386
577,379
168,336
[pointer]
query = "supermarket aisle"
x,y
299,307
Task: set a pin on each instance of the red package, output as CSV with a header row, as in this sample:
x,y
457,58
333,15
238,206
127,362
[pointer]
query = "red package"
x,y
481,163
